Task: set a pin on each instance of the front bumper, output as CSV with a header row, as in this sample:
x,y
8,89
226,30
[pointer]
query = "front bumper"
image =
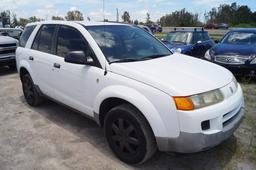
x,y
195,142
223,119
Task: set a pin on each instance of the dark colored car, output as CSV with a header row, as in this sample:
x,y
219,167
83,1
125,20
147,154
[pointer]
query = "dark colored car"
x,y
223,26
155,28
211,26
193,42
236,51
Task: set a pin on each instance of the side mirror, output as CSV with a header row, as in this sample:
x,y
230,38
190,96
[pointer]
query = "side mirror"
x,y
78,57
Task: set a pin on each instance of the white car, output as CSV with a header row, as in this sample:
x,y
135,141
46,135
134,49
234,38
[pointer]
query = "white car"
x,y
145,97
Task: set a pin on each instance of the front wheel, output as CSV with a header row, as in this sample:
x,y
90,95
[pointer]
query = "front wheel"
x,y
129,134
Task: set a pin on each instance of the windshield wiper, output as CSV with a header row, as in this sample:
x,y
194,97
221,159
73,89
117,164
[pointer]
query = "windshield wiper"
x,y
178,42
154,56
139,59
124,60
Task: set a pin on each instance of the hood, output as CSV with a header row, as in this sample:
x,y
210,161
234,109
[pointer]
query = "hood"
x,y
221,49
7,40
176,75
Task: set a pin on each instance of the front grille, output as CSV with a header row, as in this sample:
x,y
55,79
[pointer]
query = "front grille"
x,y
8,45
7,51
232,59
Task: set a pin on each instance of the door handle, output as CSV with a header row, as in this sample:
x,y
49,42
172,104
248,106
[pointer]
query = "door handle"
x,y
56,65
31,58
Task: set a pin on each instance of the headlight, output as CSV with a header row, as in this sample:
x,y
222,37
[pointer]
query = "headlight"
x,y
199,101
176,50
207,55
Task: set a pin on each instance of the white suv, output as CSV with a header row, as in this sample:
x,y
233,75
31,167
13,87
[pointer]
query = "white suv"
x,y
145,97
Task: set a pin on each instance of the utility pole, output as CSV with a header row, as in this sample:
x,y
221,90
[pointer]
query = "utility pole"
x,y
117,15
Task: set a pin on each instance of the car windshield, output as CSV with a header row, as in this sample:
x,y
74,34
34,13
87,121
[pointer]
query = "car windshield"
x,y
126,43
240,38
178,37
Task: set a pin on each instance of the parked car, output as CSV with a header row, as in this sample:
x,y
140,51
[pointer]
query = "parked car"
x,y
12,32
193,42
145,97
155,28
211,26
236,51
146,28
223,26
8,46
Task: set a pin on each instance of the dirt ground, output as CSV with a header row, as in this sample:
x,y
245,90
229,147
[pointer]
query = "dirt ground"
x,y
54,137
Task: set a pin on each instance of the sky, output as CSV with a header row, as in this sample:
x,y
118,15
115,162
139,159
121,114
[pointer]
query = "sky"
x,y
93,9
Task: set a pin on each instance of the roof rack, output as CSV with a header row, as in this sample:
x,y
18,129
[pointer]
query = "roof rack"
x,y
189,29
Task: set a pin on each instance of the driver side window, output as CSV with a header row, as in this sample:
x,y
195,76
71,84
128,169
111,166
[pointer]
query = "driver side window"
x,y
70,39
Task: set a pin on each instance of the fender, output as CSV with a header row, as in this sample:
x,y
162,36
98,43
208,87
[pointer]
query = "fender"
x,y
138,100
25,64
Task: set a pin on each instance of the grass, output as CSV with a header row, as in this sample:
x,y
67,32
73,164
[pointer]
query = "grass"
x,y
243,25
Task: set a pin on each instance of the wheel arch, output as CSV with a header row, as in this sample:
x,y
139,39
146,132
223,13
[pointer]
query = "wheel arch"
x,y
116,95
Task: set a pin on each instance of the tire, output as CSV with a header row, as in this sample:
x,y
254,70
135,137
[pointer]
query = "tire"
x,y
129,134
31,94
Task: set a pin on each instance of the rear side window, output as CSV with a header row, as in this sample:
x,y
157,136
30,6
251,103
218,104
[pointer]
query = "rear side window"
x,y
70,39
44,39
25,35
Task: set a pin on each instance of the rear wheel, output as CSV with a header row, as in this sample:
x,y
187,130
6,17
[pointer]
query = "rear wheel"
x,y
31,94
129,135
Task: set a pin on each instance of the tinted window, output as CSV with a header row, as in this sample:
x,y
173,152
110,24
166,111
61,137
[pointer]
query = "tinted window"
x,y
68,40
123,42
44,39
25,35
197,37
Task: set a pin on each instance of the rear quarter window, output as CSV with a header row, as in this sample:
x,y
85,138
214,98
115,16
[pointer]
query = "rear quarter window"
x,y
25,35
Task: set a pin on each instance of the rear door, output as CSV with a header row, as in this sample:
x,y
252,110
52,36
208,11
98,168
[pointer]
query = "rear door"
x,y
41,57
75,84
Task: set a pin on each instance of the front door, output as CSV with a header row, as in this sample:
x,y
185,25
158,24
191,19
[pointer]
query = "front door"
x,y
75,84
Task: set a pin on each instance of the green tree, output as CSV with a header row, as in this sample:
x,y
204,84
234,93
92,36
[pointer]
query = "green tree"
x,y
136,22
14,21
126,17
148,21
180,18
57,18
74,16
34,19
5,17
23,22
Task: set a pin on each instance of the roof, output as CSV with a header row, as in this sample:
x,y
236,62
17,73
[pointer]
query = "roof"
x,y
244,30
85,23
189,29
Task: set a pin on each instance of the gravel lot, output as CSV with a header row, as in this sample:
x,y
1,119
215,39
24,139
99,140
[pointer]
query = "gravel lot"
x,y
54,137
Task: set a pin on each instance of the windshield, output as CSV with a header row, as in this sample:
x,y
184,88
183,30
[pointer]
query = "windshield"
x,y
240,38
179,37
124,43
